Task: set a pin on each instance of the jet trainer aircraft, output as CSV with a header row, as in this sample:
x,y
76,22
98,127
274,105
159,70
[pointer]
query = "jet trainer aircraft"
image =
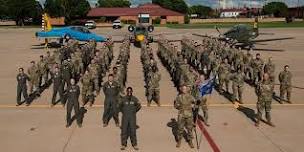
x,y
70,32
243,35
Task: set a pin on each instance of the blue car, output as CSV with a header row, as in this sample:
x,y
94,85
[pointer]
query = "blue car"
x,y
71,32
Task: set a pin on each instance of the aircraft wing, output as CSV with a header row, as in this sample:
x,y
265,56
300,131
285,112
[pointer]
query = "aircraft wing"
x,y
275,39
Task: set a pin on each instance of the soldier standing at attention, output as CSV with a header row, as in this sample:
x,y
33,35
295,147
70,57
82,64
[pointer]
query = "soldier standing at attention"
x,y
57,86
257,68
238,79
21,87
73,96
247,68
153,86
184,103
42,66
264,91
34,77
111,91
285,83
129,106
87,89
270,69
224,71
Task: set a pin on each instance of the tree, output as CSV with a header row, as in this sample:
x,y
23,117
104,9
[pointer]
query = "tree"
x,y
114,3
20,10
3,8
277,9
70,9
54,8
200,10
75,9
176,5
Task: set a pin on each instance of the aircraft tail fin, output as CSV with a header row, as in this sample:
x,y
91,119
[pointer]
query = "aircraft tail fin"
x,y
46,24
256,26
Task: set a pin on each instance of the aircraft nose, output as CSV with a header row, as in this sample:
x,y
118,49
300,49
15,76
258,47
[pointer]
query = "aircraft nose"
x,y
140,37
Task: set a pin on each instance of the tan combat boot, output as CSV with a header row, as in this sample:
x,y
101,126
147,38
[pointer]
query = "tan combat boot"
x,y
191,144
178,144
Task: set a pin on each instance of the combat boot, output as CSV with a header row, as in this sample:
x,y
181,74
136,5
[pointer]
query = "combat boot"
x,y
135,148
268,117
191,144
257,123
122,147
178,144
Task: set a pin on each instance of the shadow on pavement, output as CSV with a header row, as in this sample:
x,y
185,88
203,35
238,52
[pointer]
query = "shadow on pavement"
x,y
249,113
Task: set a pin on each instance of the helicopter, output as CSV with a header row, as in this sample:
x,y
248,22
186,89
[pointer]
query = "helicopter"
x,y
244,36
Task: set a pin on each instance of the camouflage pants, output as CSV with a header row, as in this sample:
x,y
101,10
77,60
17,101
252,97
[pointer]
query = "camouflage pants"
x,y
237,91
44,76
96,84
257,76
263,105
248,72
34,84
153,94
285,89
223,80
185,122
204,107
87,94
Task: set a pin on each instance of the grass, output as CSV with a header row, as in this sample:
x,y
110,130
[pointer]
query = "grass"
x,y
228,25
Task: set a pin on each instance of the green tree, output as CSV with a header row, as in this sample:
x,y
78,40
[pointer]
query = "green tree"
x,y
277,9
20,10
201,11
3,8
114,3
70,9
176,5
54,8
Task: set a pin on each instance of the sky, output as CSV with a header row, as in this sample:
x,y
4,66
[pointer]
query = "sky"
x,y
215,3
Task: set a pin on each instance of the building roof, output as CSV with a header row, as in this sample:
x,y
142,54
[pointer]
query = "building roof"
x,y
152,9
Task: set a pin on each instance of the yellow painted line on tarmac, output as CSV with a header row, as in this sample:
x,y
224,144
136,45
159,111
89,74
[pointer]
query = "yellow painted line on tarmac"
x,y
164,105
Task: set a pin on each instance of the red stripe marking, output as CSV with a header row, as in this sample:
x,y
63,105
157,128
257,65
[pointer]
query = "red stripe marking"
x,y
207,136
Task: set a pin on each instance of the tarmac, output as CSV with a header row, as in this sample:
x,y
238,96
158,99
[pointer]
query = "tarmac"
x,y
41,128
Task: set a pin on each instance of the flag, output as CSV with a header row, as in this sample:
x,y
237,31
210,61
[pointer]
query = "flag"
x,y
206,87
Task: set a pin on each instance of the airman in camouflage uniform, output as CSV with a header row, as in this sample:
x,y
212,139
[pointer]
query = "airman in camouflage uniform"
x,y
270,69
87,89
264,91
42,67
184,103
257,65
224,72
153,86
285,78
238,85
247,67
34,77
93,69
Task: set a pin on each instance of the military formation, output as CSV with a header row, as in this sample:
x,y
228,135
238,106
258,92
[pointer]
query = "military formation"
x,y
230,65
77,71
152,76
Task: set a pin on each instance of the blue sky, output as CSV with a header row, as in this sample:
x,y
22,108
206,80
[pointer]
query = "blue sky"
x,y
214,3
